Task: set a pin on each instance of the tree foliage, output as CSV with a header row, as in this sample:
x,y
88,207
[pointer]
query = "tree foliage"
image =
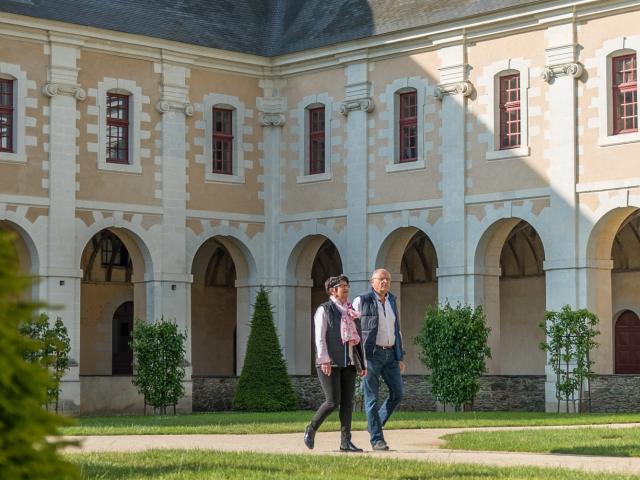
x,y
264,384
570,339
25,452
159,358
453,345
52,351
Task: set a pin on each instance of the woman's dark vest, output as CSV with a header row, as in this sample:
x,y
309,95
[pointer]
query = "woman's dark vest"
x,y
338,351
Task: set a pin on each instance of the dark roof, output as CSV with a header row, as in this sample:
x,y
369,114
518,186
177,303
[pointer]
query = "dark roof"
x,y
261,27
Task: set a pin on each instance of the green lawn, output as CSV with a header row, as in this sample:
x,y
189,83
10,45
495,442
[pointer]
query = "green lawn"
x,y
188,465
616,442
289,422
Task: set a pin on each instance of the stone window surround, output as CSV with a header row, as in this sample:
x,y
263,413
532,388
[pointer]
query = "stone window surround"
x,y
238,114
392,95
494,71
307,103
19,77
123,87
610,49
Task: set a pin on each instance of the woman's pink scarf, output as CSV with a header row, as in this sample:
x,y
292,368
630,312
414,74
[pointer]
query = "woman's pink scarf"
x,y
348,330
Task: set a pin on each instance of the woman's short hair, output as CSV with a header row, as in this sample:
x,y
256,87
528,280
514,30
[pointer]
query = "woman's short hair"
x,y
333,282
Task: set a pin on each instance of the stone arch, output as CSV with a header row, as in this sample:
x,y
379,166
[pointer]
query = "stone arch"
x,y
29,256
510,284
411,258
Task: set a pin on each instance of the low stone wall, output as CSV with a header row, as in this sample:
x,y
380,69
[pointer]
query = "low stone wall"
x,y
615,393
497,393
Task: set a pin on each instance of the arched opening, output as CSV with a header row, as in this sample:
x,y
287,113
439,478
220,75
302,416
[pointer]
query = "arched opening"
x,y
410,256
122,326
513,292
214,311
25,251
627,343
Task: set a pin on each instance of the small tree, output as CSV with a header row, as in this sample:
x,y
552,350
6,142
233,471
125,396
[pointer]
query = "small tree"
x,y
570,339
27,447
52,351
453,343
264,384
159,358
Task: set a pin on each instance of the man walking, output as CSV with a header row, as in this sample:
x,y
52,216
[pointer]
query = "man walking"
x,y
382,343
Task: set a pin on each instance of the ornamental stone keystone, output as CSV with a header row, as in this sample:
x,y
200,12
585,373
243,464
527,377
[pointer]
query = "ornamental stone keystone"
x,y
464,88
572,69
51,89
164,106
364,104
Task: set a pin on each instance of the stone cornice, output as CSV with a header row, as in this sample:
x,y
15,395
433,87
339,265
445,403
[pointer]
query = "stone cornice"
x,y
571,69
464,88
164,106
364,104
51,89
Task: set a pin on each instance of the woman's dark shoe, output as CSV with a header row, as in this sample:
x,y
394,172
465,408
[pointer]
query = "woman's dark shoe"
x,y
348,446
309,437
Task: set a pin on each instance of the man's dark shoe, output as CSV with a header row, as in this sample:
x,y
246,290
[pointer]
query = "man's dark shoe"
x,y
309,437
348,446
380,445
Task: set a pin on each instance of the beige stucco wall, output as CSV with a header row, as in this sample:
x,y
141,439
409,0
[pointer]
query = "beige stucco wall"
x,y
487,176
522,307
327,194
98,303
596,163
220,196
412,185
213,319
101,185
26,178
414,299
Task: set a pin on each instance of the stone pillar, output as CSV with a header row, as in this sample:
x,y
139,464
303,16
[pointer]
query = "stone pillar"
x,y
61,285
452,91
561,264
357,104
272,107
170,281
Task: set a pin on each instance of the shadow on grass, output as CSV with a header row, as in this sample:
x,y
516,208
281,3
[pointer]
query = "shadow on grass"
x,y
624,450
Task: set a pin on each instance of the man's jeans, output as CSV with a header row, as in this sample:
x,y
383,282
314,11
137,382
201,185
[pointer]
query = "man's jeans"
x,y
382,364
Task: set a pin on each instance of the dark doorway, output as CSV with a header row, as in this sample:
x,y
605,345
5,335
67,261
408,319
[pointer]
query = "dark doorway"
x,y
628,343
122,360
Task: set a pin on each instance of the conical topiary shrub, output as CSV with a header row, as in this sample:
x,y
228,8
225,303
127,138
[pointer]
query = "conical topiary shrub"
x,y
264,384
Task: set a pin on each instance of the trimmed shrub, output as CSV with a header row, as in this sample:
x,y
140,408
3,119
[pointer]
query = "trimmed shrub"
x,y
453,343
25,452
159,358
264,384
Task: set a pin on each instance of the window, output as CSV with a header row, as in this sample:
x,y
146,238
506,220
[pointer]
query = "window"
x,y
408,127
222,142
316,141
114,253
625,94
117,128
510,112
6,115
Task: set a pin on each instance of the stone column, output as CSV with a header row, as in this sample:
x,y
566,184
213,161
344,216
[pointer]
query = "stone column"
x,y
452,91
272,107
170,282
61,285
357,104
561,264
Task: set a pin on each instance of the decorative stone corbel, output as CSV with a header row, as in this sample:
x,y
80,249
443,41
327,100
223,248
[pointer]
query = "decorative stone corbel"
x,y
573,69
51,89
272,119
457,88
164,106
364,104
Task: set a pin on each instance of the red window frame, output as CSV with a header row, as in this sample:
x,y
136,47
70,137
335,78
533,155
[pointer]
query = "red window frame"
x,y
117,128
6,115
625,93
316,141
408,127
510,112
222,141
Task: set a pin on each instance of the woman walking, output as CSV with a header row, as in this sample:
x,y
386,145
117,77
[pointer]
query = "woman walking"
x,y
339,359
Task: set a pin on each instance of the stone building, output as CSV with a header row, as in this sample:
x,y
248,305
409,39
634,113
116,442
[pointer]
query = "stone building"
x,y
166,158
